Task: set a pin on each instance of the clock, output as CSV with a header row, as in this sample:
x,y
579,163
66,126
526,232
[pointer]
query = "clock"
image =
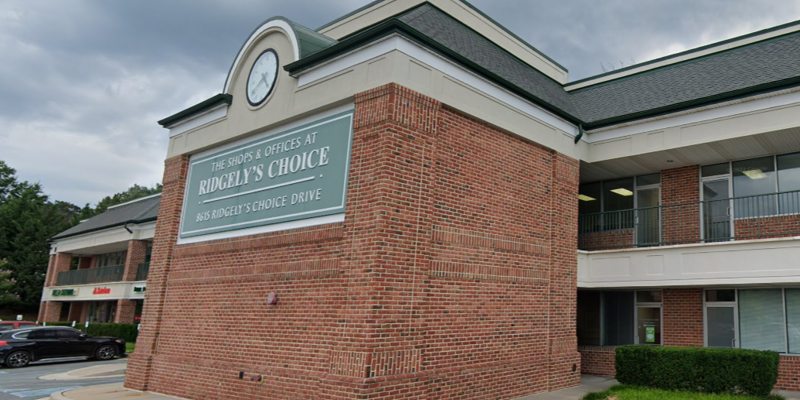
x,y
262,77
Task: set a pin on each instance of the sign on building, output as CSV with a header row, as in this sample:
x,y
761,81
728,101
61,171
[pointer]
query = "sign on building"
x,y
296,174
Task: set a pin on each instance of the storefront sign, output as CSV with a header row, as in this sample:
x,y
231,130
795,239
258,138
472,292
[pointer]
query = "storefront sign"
x,y
139,289
102,290
292,175
63,292
650,334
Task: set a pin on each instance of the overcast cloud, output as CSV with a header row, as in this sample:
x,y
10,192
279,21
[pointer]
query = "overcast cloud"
x,y
82,83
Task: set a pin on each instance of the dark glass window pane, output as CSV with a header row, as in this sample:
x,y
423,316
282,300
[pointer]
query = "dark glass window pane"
x,y
716,169
617,318
721,295
618,194
651,179
67,334
589,198
618,204
588,318
648,296
750,179
789,181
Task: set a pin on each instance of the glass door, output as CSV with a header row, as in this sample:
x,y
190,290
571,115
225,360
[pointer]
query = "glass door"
x,y
648,218
721,330
717,224
648,325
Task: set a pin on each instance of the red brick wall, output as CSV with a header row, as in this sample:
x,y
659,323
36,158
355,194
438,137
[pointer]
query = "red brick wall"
x,y
789,373
604,240
76,311
85,263
126,310
50,311
137,251
453,275
683,317
767,227
680,222
597,360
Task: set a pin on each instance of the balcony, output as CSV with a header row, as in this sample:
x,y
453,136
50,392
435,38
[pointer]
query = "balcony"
x,y
713,221
93,275
142,270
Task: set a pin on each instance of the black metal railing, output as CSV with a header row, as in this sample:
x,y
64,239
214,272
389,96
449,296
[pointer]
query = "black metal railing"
x,y
736,218
142,270
93,275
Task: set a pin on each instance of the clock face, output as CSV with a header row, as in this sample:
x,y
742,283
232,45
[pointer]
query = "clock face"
x,y
262,77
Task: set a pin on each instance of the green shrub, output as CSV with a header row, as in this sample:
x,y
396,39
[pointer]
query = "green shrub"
x,y
129,332
697,369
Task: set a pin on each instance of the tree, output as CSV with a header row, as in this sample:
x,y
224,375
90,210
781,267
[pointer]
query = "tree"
x,y
134,192
27,220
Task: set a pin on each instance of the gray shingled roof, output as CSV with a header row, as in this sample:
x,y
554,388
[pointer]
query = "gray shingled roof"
x,y
766,65
135,212
733,70
469,44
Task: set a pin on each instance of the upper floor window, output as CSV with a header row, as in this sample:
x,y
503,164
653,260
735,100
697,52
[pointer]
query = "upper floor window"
x,y
761,186
112,259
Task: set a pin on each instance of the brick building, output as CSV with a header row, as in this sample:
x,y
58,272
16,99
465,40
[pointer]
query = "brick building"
x,y
412,202
98,268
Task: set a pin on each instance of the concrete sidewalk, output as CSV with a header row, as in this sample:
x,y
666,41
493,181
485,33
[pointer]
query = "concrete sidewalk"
x,y
111,391
95,372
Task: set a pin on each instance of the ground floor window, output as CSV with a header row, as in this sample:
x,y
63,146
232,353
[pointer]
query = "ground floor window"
x,y
613,318
759,319
102,311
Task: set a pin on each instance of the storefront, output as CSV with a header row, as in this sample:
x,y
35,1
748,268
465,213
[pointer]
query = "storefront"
x,y
411,202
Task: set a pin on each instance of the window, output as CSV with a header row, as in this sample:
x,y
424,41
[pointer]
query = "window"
x,y
616,200
613,318
112,259
758,319
21,335
43,334
761,325
68,334
762,186
789,181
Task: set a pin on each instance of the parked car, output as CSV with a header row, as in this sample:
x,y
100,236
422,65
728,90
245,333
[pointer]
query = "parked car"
x,y
9,325
19,347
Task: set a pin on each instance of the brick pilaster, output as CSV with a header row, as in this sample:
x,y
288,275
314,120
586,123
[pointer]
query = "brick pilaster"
x,y
59,263
680,221
167,227
51,311
76,311
126,310
683,317
137,251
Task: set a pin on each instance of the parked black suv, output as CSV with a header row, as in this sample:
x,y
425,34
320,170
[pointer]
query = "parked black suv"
x,y
19,347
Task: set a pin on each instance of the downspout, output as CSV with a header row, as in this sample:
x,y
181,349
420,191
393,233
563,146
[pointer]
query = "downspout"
x,y
580,133
129,230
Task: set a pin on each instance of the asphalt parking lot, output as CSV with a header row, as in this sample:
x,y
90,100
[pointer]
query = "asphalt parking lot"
x,y
24,383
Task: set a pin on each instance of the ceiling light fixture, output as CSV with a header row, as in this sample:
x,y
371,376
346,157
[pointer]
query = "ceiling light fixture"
x,y
585,197
622,192
755,174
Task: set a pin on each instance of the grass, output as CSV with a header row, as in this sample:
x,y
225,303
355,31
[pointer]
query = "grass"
x,y
129,347
625,392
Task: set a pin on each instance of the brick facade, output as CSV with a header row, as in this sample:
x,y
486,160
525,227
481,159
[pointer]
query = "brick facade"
x,y
126,311
137,252
680,221
597,360
453,275
682,311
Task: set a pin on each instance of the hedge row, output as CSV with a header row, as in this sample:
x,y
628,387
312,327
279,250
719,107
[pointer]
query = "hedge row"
x,y
129,332
696,369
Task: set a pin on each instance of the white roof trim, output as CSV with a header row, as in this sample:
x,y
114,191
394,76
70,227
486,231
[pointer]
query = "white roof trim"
x,y
276,23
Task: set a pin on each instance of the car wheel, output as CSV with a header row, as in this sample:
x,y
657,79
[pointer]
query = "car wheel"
x,y
105,352
18,359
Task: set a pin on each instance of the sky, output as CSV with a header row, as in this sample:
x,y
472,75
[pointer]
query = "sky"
x,y
82,83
